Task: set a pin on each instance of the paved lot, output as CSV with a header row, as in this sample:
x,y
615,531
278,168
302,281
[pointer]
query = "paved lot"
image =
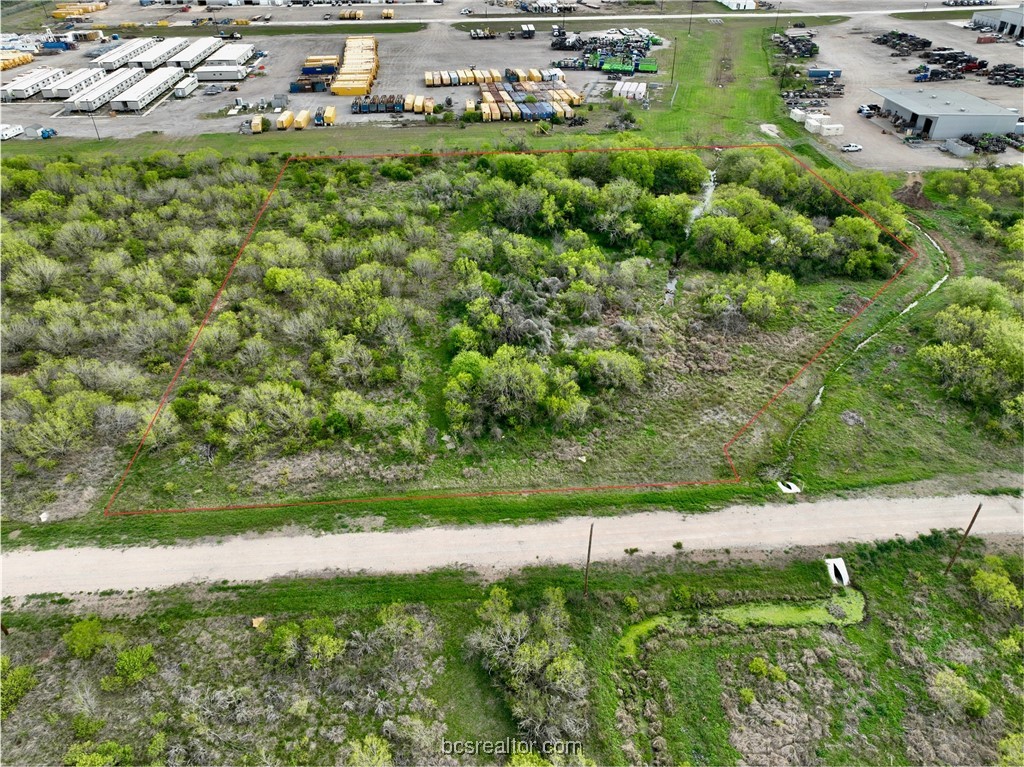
x,y
865,66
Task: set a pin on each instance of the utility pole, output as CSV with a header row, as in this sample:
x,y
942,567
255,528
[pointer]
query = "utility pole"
x,y
966,533
94,126
690,25
778,8
586,576
675,47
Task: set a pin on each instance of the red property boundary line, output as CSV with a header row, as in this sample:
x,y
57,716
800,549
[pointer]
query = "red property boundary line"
x,y
736,478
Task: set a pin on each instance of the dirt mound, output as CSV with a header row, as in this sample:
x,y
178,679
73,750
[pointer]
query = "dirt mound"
x,y
911,193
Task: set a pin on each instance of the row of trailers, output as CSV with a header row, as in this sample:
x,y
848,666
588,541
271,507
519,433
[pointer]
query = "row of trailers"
x,y
485,76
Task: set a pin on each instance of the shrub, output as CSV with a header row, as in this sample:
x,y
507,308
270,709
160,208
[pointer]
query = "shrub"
x,y
90,754
87,637
954,694
85,727
746,696
131,667
631,602
993,585
1011,750
15,684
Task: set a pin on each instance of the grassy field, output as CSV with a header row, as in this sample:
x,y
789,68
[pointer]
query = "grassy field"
x,y
861,693
965,13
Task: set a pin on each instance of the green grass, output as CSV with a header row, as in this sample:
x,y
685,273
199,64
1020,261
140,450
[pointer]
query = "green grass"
x,y
783,614
638,632
965,13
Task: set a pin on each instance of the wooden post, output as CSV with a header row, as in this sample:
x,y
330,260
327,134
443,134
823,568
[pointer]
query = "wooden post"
x,y
586,576
966,533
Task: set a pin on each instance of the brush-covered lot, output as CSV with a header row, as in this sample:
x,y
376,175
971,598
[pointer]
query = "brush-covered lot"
x,y
669,661
496,322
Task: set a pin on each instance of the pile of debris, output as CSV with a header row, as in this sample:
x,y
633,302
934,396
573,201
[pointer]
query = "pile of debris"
x,y
987,143
1006,74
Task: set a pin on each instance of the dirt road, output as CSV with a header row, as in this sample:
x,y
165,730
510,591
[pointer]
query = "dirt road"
x,y
501,547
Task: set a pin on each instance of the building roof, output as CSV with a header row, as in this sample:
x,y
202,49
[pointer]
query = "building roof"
x,y
929,101
1009,15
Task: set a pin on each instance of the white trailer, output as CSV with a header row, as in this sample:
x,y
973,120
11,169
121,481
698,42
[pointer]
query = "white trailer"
x,y
153,57
147,90
123,53
208,74
186,86
193,56
76,82
106,89
31,83
10,131
232,55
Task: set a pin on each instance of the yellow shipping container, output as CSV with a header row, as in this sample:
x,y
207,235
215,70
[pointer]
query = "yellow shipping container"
x,y
163,23
516,114
302,119
496,75
534,76
285,119
257,124
418,105
410,102
329,115
428,79
349,88
485,113
495,113
470,105
241,22
446,78
521,75
569,112
487,97
428,106
387,13
558,109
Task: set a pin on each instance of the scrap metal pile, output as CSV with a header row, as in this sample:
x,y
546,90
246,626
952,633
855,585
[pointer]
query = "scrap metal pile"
x,y
796,47
902,43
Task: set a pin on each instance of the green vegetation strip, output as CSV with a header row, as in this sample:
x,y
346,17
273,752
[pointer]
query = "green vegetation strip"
x,y
270,30
849,603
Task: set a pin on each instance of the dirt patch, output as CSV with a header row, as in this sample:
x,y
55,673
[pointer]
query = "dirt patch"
x,y
912,193
852,303
77,490
311,470
853,418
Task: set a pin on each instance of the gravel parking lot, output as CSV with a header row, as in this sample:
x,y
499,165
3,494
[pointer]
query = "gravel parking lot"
x,y
848,46
404,58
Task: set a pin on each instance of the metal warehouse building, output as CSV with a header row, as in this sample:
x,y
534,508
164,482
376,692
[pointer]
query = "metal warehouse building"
x,y
76,82
106,89
122,53
946,114
193,56
147,90
1009,22
232,55
153,57
29,84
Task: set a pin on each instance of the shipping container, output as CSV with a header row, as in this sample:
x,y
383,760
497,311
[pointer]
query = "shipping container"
x,y
285,120
428,106
534,75
257,124
302,119
410,103
418,105
210,73
329,115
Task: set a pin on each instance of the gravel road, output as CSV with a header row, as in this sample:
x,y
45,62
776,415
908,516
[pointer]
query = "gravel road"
x,y
501,548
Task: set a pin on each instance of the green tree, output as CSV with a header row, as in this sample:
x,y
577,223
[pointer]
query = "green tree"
x,y
109,753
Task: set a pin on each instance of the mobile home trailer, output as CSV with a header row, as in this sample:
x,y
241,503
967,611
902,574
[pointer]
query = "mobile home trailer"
x,y
29,84
76,82
122,54
147,90
186,86
232,55
212,73
153,57
102,92
195,54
